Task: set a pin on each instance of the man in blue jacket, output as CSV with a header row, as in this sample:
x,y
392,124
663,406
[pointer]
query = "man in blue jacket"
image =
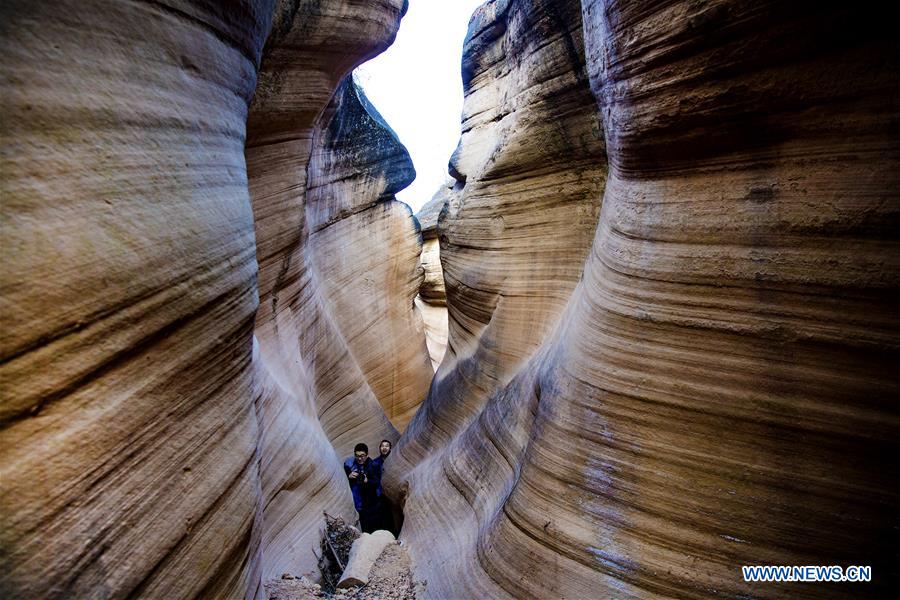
x,y
365,484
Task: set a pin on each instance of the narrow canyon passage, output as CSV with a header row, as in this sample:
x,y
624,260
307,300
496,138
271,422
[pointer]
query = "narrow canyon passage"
x,y
645,335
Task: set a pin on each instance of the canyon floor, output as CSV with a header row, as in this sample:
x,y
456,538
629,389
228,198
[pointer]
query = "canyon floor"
x,y
390,579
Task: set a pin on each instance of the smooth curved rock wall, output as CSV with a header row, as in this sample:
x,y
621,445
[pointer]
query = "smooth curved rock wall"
x,y
173,419
432,299
303,183
717,389
530,168
365,249
129,437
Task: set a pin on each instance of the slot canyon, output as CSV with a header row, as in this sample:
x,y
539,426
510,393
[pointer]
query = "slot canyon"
x,y
646,334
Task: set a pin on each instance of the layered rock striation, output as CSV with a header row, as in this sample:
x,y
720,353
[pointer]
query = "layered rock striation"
x,y
703,380
319,393
432,298
129,432
432,289
364,248
177,388
517,226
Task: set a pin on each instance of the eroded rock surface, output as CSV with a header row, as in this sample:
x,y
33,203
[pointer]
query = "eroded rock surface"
x,y
517,227
129,435
365,251
703,380
173,418
432,299
322,174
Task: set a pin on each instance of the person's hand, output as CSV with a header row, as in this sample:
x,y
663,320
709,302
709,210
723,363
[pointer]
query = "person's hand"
x,y
353,474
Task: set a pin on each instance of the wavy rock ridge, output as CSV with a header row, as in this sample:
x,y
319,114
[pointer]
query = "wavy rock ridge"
x,y
178,384
704,379
432,298
364,245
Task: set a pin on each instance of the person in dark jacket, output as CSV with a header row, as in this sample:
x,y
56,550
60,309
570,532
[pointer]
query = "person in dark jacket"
x,y
384,450
365,483
386,510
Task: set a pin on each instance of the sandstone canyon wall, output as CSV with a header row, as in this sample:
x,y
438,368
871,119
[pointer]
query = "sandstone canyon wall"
x,y
518,225
707,378
432,298
177,389
129,433
365,249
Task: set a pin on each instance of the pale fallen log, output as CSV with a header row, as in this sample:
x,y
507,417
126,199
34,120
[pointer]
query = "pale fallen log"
x,y
363,554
